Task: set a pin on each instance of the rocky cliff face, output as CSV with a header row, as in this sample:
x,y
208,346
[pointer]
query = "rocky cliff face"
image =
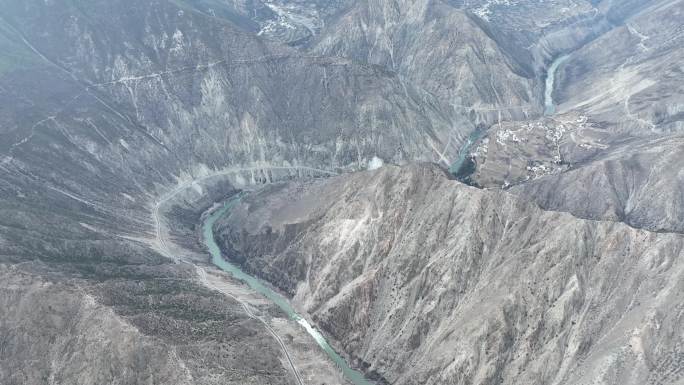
x,y
429,281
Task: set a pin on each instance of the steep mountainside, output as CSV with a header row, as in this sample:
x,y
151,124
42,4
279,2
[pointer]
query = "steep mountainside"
x,y
570,163
429,281
629,77
640,183
212,94
128,328
441,49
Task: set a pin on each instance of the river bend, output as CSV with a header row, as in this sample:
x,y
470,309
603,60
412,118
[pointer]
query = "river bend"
x,y
355,377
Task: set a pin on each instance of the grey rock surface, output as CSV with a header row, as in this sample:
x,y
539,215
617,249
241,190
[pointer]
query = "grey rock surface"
x,y
627,77
441,49
429,281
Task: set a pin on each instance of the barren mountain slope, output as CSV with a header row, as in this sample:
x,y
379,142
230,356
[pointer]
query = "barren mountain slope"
x,y
124,322
640,183
430,281
630,78
440,49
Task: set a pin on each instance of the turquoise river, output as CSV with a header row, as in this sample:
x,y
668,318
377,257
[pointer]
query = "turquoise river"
x,y
255,284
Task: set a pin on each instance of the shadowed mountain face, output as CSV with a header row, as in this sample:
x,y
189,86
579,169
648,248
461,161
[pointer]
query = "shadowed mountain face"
x,y
123,121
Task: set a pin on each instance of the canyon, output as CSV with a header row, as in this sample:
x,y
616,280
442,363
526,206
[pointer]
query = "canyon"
x,y
429,192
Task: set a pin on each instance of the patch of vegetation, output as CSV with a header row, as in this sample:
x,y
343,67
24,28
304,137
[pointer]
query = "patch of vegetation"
x,y
177,309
